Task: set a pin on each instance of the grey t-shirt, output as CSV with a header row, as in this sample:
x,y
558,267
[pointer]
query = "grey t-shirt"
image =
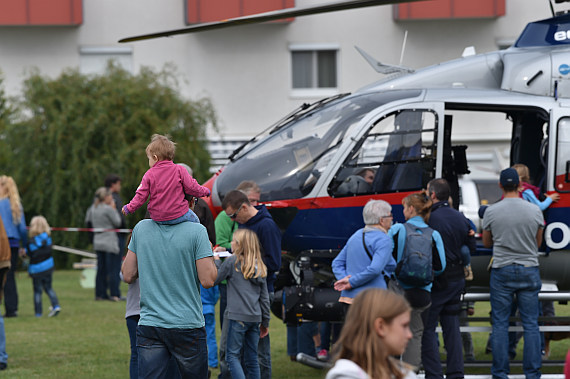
x,y
514,223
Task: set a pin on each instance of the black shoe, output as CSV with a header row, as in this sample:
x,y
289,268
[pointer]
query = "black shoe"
x,y
11,314
3,366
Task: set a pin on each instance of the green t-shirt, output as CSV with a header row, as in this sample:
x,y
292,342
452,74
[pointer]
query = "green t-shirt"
x,y
166,256
225,228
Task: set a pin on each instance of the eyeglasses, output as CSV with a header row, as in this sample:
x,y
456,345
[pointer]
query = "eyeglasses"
x,y
389,216
234,215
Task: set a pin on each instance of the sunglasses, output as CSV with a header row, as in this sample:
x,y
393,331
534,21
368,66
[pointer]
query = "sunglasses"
x,y
234,215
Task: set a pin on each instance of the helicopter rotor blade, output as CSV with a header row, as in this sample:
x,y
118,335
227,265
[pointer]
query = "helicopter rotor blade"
x,y
268,16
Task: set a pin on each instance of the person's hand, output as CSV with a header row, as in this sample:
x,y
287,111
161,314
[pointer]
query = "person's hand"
x,y
216,257
554,196
22,252
342,284
470,311
123,211
263,331
217,249
471,233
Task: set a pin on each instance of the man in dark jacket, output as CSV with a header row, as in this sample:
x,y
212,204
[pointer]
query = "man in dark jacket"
x,y
238,208
448,287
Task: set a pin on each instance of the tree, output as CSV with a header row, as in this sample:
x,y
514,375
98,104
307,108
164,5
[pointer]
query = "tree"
x,y
74,130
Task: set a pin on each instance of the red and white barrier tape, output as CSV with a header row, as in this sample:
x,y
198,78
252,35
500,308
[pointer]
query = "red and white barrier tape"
x,y
94,230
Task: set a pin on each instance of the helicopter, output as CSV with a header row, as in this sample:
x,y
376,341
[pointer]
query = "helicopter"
x,y
312,164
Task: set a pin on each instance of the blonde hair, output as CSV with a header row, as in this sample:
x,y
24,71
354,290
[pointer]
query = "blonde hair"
x,y
421,203
162,147
248,254
359,341
523,171
11,192
39,225
101,194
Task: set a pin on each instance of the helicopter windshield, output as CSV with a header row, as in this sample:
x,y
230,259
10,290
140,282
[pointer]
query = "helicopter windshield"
x,y
288,163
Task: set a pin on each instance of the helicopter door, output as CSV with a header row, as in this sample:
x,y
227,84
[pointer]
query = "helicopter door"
x,y
562,156
397,153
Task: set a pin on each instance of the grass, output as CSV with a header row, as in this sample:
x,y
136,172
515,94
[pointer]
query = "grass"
x,y
89,339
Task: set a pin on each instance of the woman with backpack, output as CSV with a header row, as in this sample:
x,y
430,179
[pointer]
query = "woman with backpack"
x,y
419,254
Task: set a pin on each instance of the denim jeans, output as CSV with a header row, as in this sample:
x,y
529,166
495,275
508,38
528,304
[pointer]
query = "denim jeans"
x,y
132,322
300,339
524,282
43,282
243,335
10,289
157,345
108,268
264,350
210,319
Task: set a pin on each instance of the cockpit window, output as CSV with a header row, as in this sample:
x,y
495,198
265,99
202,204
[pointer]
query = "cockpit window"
x,y
288,163
397,154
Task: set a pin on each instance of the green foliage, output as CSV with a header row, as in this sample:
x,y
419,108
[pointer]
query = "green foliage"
x,y
70,132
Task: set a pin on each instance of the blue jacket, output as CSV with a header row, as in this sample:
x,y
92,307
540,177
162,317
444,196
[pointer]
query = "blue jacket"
x,y
39,251
453,227
209,298
16,231
438,259
270,239
353,260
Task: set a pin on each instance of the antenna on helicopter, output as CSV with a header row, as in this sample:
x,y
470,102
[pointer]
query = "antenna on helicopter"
x,y
403,47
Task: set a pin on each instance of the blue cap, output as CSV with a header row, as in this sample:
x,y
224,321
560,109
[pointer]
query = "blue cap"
x,y
509,177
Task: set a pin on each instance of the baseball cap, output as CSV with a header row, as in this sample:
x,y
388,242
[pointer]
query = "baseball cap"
x,y
509,176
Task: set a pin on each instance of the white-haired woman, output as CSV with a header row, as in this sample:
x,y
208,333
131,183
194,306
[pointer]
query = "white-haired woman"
x,y
367,253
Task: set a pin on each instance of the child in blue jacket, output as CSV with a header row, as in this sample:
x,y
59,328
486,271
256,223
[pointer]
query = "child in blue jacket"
x,y
210,297
41,264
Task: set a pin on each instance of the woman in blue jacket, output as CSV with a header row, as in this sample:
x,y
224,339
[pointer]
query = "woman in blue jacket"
x,y
12,215
416,212
367,254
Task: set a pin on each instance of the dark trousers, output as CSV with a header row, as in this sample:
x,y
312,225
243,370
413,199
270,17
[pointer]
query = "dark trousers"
x,y
10,290
445,308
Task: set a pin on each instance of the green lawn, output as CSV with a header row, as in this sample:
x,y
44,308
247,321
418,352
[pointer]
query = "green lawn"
x,y
89,339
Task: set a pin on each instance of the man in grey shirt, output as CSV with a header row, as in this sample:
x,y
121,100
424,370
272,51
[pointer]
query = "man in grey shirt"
x,y
513,227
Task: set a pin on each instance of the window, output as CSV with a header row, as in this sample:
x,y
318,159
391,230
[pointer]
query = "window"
x,y
94,60
449,9
562,183
314,68
397,154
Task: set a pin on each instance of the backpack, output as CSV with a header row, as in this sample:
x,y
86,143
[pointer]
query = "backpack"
x,y
415,267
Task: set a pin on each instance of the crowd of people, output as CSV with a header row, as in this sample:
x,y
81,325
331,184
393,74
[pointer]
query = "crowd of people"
x,y
396,281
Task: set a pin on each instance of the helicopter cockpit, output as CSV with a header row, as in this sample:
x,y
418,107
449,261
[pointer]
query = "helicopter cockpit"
x,y
288,163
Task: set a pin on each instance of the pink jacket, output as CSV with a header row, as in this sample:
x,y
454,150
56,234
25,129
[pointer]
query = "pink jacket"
x,y
167,183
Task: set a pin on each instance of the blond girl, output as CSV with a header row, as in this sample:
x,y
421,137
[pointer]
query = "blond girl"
x,y
41,264
377,328
248,303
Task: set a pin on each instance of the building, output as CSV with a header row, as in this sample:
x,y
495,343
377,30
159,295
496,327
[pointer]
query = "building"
x,y
256,74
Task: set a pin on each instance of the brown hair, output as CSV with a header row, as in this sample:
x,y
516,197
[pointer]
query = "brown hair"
x,y
11,192
524,173
248,254
359,341
421,203
162,147
39,225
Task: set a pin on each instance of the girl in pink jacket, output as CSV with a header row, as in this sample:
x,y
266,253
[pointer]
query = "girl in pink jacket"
x,y
167,184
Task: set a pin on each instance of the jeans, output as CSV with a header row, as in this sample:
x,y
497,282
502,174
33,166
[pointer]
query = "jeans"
x,y
132,322
210,319
189,216
243,335
10,290
325,331
300,339
264,350
445,308
505,283
108,268
157,345
43,281
3,354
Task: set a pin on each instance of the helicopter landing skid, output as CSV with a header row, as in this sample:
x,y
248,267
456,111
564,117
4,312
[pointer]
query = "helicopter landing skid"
x,y
312,361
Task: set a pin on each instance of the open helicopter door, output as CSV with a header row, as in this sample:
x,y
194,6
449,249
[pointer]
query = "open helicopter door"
x,y
399,146
559,152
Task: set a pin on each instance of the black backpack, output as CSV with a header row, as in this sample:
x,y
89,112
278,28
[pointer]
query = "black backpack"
x,y
415,267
